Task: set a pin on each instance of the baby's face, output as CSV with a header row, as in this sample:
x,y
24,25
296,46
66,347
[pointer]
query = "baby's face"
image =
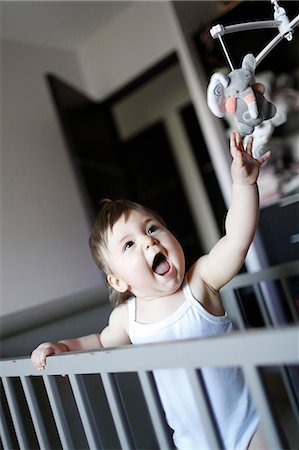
x,y
144,257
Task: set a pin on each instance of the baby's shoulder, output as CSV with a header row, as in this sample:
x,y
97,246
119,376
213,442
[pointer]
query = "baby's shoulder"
x,y
119,315
196,279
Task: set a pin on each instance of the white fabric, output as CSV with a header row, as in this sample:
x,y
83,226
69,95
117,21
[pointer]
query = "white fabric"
x,y
235,414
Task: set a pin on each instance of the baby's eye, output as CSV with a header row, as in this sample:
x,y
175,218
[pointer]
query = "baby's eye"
x,y
152,229
127,245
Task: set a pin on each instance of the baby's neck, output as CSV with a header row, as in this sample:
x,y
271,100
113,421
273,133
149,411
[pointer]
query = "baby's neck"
x,y
155,309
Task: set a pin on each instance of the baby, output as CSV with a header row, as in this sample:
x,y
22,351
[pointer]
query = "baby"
x,y
155,301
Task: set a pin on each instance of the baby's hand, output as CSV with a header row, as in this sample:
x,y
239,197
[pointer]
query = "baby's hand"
x,y
39,355
245,169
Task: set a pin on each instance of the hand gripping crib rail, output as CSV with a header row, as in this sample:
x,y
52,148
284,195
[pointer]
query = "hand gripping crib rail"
x,y
36,406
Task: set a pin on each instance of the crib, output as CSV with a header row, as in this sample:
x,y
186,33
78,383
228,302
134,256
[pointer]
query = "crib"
x,y
108,399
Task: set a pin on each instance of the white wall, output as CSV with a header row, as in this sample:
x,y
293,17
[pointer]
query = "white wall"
x,y
45,253
130,43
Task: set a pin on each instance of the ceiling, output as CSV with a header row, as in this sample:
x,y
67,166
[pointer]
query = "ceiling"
x,y
66,24
63,24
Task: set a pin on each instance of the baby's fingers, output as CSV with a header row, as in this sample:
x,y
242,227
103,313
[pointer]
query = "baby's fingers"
x,y
233,144
236,143
40,354
233,139
249,145
38,360
264,157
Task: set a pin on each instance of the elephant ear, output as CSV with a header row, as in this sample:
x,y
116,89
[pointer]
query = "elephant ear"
x,y
216,93
249,62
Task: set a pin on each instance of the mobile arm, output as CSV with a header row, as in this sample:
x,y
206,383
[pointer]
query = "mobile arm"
x,y
281,21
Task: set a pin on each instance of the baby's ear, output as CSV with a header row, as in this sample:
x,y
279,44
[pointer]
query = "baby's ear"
x,y
117,283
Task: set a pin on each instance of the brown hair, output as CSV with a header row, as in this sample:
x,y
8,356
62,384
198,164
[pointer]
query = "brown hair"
x,y
110,212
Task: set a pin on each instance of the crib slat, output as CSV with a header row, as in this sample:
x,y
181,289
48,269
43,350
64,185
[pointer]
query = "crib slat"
x,y
36,416
4,431
204,409
231,302
58,412
288,384
154,410
262,305
116,408
15,413
85,411
258,393
289,299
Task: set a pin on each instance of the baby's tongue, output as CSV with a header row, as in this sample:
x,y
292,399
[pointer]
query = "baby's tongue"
x,y
162,267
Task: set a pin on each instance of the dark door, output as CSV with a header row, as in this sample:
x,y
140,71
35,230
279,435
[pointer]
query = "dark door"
x,y
91,137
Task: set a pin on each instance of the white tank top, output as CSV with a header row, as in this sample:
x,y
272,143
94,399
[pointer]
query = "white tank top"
x,y
235,414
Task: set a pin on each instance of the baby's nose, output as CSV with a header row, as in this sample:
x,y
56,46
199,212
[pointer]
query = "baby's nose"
x,y
149,242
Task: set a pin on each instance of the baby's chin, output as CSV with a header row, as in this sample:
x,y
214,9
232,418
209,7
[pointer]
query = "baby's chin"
x,y
177,285
164,291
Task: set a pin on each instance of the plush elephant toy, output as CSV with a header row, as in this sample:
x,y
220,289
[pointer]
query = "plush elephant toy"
x,y
263,133
238,94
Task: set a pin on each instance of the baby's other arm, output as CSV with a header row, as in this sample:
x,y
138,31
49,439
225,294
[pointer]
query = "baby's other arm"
x,y
227,256
117,331
39,355
114,334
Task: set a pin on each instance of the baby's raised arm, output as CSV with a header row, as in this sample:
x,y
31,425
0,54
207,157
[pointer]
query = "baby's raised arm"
x,y
227,256
115,334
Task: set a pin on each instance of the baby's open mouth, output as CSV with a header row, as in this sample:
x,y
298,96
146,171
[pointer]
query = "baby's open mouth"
x,y
160,264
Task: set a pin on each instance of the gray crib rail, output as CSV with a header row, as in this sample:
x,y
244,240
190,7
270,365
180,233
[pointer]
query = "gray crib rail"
x,y
250,350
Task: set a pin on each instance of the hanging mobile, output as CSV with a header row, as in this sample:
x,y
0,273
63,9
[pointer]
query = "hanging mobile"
x,y
237,93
